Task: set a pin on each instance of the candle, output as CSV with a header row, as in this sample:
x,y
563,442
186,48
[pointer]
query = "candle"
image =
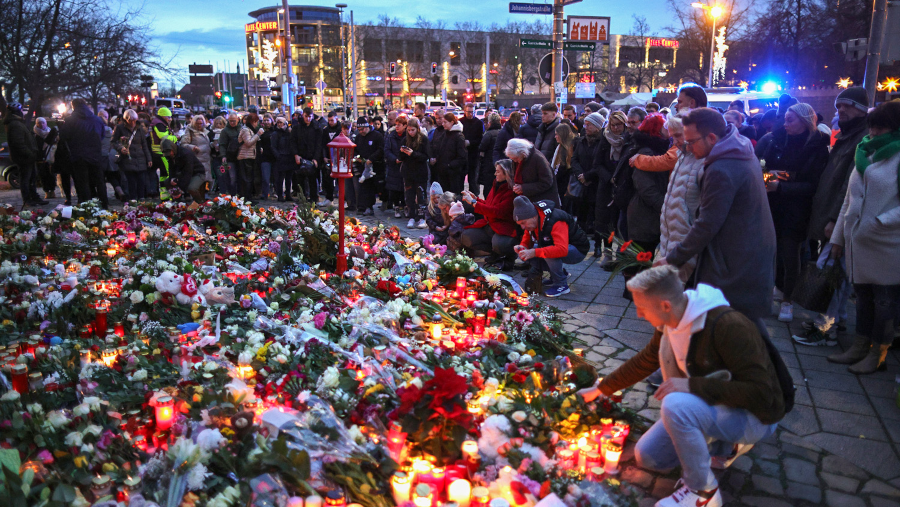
x,y
583,456
130,486
119,329
595,473
20,378
314,501
481,497
401,484
592,460
335,498
100,324
165,412
461,287
471,456
460,491
108,357
613,453
506,314
100,486
35,381
296,501
245,372
423,496
566,459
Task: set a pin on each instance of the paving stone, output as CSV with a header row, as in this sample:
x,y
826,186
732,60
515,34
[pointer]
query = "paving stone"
x,y
615,363
663,487
605,309
839,482
769,485
569,328
736,480
801,420
883,502
579,293
609,342
588,340
880,388
806,454
631,339
809,362
611,300
800,471
604,350
637,476
647,502
886,409
790,438
804,492
769,467
852,425
843,402
636,325
765,451
870,455
790,360
840,466
626,354
589,331
743,463
599,322
838,499
649,413
634,400
880,488
834,382
571,307
763,501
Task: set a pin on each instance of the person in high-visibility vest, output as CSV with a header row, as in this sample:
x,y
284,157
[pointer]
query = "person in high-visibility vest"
x,y
159,131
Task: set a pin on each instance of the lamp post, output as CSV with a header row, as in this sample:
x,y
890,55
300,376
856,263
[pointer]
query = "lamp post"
x,y
341,8
714,12
341,155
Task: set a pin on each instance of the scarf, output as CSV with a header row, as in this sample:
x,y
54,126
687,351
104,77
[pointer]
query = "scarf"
x,y
616,141
875,149
41,132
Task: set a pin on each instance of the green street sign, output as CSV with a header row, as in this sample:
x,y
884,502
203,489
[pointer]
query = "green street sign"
x,y
536,43
546,44
579,46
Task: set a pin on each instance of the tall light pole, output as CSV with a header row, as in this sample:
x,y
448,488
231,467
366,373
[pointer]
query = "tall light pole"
x,y
287,89
341,8
714,12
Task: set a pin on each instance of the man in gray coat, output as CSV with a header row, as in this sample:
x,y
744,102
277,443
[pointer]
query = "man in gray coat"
x,y
733,235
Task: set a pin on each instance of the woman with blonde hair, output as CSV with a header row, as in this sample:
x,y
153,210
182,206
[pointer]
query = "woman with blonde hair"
x,y
562,164
413,159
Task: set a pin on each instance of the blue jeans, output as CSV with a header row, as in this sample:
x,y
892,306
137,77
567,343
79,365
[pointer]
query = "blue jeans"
x,y
555,266
689,431
265,170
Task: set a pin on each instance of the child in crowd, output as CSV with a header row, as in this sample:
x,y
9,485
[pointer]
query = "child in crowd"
x,y
458,221
437,215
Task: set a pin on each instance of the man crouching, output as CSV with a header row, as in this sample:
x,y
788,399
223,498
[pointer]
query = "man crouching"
x,y
719,385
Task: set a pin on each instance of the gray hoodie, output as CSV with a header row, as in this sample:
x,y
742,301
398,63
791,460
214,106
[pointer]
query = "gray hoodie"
x,y
733,235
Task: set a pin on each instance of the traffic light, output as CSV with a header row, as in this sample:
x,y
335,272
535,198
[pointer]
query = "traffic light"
x,y
218,95
393,68
226,97
434,69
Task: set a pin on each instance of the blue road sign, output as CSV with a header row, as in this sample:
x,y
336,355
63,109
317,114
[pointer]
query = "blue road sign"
x,y
521,8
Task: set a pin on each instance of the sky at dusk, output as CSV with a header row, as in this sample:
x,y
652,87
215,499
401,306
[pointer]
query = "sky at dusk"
x,y
213,32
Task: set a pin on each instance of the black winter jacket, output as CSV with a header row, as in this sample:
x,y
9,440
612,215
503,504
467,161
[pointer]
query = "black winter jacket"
x,y
449,151
473,131
649,192
138,149
392,142
414,167
20,139
546,139
283,150
506,133
183,166
530,129
81,133
486,159
308,140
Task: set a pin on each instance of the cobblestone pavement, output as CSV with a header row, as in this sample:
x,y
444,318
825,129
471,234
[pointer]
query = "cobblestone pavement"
x,y
838,447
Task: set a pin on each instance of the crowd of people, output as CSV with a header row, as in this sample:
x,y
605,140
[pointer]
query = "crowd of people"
x,y
730,206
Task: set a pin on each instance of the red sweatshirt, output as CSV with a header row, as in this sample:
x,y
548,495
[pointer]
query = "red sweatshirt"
x,y
560,235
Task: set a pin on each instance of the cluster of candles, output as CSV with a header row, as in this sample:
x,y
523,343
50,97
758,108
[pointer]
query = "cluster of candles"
x,y
101,486
596,453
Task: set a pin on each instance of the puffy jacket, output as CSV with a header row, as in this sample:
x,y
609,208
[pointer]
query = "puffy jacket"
x,y
497,210
43,144
486,149
829,196
200,139
414,167
449,151
868,226
546,138
473,131
649,193
81,134
138,149
226,136
555,232
20,140
392,142
248,139
680,207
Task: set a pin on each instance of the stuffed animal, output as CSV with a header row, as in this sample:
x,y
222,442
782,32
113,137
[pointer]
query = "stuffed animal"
x,y
168,283
220,296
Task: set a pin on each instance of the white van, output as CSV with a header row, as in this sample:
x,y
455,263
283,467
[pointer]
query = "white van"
x,y
177,106
449,106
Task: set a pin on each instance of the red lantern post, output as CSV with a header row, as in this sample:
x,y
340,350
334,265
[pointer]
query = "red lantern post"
x,y
341,155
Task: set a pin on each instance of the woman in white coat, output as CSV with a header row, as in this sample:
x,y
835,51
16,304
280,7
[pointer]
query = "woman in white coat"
x,y
868,233
195,138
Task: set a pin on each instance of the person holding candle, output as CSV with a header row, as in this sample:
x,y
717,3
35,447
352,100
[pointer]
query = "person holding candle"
x,y
551,239
497,231
721,383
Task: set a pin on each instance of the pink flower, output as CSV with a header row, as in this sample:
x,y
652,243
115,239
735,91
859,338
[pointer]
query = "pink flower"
x,y
524,317
45,456
319,320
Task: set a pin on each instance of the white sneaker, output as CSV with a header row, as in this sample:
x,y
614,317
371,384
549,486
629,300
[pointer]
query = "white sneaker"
x,y
787,312
422,224
411,224
684,497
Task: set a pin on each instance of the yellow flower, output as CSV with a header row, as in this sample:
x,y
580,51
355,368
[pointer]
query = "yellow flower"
x,y
531,353
109,467
7,322
81,462
196,398
227,432
374,389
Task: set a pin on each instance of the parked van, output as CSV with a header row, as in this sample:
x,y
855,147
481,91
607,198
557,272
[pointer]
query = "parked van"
x,y
449,106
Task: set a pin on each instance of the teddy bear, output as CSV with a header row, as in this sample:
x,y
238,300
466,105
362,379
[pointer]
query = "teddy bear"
x,y
216,295
189,292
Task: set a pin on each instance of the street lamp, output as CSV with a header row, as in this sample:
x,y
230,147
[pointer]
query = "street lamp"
x,y
714,11
341,7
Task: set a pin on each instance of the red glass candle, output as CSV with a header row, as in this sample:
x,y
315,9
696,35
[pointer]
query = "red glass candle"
x,y
20,378
100,324
461,287
165,412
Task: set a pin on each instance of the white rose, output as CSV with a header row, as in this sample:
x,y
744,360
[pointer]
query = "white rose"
x,y
513,357
136,297
80,410
94,430
210,366
525,359
329,379
57,419
504,404
416,382
10,396
139,375
35,409
73,439
519,416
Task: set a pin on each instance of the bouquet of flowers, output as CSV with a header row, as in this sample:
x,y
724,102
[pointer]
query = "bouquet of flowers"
x,y
624,255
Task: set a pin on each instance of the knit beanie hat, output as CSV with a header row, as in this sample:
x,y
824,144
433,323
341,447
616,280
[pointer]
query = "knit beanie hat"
x,y
593,106
653,125
362,122
595,119
855,96
784,102
456,209
806,114
167,145
523,209
536,109
619,115
435,189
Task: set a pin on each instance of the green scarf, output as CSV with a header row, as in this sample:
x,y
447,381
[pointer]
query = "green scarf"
x,y
878,148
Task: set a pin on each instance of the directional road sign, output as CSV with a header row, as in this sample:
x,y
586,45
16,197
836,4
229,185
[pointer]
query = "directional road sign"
x,y
521,8
546,44
320,85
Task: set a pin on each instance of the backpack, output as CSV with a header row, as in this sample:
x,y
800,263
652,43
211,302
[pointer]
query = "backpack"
x,y
233,147
788,390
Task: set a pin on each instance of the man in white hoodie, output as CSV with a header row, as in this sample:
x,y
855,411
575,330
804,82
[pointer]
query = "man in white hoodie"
x,y
720,384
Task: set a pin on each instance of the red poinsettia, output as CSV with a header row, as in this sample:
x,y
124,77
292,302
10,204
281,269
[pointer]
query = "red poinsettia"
x,y
445,385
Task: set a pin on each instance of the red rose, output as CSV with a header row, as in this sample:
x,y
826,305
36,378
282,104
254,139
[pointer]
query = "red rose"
x,y
511,368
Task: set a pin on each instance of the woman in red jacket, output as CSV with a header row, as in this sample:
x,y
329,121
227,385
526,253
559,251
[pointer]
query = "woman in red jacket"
x,y
497,233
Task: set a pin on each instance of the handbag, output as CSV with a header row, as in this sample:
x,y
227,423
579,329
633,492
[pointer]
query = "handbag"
x,y
305,168
817,286
575,188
